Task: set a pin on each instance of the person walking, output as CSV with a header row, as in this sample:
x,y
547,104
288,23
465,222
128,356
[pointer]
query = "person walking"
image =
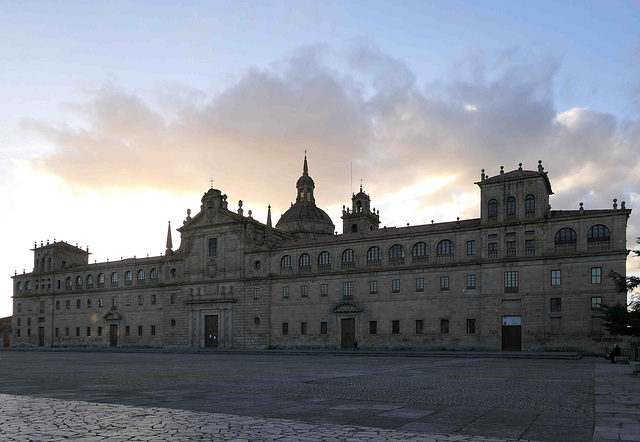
x,y
355,345
615,352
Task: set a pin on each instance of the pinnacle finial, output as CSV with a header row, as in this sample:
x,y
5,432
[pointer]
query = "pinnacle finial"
x,y
169,250
305,168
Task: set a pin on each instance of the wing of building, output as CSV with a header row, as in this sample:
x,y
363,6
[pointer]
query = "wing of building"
x,y
520,277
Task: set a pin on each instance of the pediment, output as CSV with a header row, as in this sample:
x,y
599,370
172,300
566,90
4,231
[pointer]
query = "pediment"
x,y
210,217
112,316
347,307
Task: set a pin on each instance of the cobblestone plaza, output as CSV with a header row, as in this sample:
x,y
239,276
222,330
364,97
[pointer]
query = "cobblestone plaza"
x,y
261,396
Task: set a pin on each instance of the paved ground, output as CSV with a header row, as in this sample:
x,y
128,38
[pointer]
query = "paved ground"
x,y
259,396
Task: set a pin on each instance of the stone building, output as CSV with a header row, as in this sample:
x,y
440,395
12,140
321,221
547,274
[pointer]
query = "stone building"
x,y
522,276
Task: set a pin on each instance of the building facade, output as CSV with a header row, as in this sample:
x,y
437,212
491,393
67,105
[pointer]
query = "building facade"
x,y
520,277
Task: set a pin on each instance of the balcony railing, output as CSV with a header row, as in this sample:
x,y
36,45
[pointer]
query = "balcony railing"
x,y
493,253
530,251
396,261
565,248
286,270
420,260
304,269
597,246
376,263
530,215
511,252
348,265
444,258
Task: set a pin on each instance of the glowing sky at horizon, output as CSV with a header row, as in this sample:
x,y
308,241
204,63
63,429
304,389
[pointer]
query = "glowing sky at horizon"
x,y
117,114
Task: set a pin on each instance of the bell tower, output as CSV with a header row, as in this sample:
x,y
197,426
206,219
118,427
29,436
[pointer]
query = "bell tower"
x,y
360,218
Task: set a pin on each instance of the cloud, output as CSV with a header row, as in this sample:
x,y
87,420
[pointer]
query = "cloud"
x,y
367,109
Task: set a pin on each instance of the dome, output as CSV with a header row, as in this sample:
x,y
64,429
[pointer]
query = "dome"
x,y
304,212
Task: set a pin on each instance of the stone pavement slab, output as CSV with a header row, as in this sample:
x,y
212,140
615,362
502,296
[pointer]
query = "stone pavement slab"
x,y
29,418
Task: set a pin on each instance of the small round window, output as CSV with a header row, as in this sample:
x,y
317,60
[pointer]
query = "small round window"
x,y
257,265
173,323
256,320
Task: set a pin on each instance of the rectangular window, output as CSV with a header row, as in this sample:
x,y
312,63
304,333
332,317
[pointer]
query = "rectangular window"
x,y
493,247
595,325
128,300
373,327
127,331
99,331
555,305
153,299
303,328
58,284
555,277
19,307
66,331
324,290
556,325
530,244
256,294
19,322
304,291
57,332
471,326
323,328
140,299
471,247
444,283
285,328
28,333
347,290
213,246
153,330
41,306
78,304
285,292
395,327
596,302
77,332
530,233
596,275
471,282
139,330
100,302
57,305
511,245
114,301
17,332
419,284
493,236
172,298
68,304
88,331
88,303
419,326
395,286
511,282
373,287
510,234
444,326
28,321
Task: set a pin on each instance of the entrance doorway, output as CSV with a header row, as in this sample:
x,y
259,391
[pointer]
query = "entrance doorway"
x,y
113,335
211,330
348,332
511,333
5,340
40,336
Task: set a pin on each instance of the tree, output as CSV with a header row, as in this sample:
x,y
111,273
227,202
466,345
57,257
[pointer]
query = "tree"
x,y
624,320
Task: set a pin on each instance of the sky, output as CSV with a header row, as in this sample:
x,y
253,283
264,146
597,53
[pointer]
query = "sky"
x,y
115,116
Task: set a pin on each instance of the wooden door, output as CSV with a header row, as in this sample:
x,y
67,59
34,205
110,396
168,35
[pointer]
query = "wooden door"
x,y
41,336
113,335
511,333
211,330
348,332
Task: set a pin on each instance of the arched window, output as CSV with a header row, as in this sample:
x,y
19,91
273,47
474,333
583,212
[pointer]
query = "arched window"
x,y
305,260
128,276
285,262
373,254
141,275
493,207
530,204
324,258
420,250
154,273
19,286
511,206
348,256
598,233
114,277
90,280
354,228
566,236
358,206
101,278
28,285
396,251
79,281
67,282
445,247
